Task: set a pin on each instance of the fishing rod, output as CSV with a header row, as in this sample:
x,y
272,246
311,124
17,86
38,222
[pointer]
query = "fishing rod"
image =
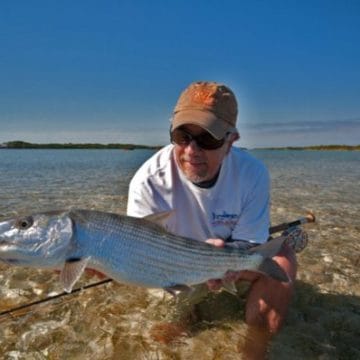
x,y
309,218
11,312
50,298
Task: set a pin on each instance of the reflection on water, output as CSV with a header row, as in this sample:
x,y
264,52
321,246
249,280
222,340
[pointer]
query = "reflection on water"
x,y
115,321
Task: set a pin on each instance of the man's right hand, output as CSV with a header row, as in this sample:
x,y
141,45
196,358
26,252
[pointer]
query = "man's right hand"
x,y
231,276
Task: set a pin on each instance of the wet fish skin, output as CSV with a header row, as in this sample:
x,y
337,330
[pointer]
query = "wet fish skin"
x,y
127,249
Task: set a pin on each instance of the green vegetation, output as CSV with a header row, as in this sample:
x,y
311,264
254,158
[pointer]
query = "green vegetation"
x,y
27,145
318,147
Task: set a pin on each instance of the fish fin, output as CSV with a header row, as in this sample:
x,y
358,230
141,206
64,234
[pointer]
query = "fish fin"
x,y
272,269
230,287
175,289
160,218
71,272
270,248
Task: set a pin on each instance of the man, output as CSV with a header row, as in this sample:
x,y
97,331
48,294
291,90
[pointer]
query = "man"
x,y
219,193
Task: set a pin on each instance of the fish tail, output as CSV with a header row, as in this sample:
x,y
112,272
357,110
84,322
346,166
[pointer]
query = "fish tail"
x,y
270,248
272,269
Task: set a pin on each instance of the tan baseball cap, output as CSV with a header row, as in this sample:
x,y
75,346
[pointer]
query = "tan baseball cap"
x,y
210,105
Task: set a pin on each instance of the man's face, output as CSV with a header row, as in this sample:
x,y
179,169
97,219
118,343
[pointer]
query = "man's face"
x,y
197,164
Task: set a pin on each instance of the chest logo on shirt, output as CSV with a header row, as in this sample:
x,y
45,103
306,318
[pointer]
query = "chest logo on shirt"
x,y
224,219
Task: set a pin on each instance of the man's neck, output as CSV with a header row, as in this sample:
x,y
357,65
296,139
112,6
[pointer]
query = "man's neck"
x,y
208,183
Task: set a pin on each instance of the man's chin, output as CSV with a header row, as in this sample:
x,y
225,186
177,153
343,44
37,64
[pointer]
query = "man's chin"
x,y
195,178
195,174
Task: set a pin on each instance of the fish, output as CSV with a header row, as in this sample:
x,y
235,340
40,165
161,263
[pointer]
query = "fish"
x,y
130,250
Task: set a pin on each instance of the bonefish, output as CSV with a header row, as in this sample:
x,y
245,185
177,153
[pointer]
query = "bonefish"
x,y
129,250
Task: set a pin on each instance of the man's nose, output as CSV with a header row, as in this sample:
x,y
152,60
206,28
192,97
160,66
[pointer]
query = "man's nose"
x,y
192,147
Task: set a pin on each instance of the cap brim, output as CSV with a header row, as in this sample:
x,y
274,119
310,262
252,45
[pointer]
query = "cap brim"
x,y
205,119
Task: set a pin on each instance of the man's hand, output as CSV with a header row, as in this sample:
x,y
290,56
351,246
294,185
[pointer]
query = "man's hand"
x,y
93,272
268,299
216,242
215,284
230,276
90,272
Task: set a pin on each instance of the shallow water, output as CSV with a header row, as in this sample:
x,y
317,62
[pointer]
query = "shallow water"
x,y
115,321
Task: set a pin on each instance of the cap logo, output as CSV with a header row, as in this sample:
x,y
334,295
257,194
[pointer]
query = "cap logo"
x,y
205,97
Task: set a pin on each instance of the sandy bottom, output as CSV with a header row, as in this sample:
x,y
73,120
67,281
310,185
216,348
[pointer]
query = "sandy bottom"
x,y
115,321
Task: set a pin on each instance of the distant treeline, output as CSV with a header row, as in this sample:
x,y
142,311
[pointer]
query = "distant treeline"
x,y
318,147
27,145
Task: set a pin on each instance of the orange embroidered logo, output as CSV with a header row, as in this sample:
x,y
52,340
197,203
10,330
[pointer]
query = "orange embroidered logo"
x,y
204,96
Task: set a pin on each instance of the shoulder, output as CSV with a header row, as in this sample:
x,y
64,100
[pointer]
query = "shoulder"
x,y
245,163
156,166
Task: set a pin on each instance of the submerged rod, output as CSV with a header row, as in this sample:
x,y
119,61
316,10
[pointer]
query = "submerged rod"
x,y
281,227
49,298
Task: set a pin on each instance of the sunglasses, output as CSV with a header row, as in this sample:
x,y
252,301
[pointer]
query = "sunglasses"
x,y
204,140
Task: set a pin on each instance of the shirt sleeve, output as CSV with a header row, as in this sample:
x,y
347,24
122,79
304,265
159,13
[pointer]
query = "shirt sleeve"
x,y
144,197
140,201
253,224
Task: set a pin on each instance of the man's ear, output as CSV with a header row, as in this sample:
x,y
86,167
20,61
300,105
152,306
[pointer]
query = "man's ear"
x,y
233,138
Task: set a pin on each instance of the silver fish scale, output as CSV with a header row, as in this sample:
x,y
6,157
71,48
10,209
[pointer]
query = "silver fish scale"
x,y
134,250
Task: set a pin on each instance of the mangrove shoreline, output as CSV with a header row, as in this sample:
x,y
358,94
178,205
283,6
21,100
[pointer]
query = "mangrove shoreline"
x,y
26,145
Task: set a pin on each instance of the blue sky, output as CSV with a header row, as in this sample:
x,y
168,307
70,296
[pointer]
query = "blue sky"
x,y
111,71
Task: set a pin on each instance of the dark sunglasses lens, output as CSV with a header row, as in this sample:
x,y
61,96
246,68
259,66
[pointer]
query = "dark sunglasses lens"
x,y
204,140
180,137
208,142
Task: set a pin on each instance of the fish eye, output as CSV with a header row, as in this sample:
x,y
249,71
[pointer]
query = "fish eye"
x,y
24,223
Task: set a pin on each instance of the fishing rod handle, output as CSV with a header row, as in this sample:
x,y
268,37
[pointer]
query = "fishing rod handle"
x,y
309,218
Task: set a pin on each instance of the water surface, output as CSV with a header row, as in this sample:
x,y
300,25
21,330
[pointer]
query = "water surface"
x,y
115,321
